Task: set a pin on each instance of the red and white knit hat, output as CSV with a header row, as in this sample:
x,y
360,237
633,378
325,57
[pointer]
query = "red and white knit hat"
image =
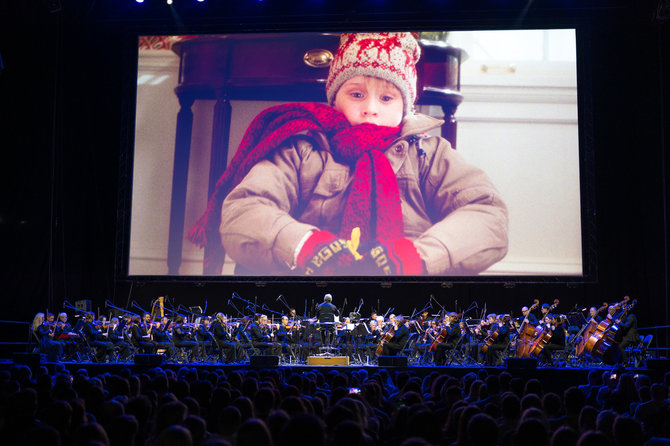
x,y
388,56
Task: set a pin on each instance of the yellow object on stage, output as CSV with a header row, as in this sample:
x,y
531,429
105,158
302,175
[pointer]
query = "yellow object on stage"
x,y
327,360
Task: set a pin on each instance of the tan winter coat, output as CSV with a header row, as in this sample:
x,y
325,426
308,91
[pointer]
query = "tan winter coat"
x,y
451,210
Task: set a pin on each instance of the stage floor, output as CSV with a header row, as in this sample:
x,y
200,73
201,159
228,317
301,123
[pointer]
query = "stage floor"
x,y
553,378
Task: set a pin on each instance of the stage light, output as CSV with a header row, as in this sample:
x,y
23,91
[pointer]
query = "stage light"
x,y
169,2
139,1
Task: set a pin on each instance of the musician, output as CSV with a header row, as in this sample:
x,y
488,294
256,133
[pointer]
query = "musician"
x,y
162,338
627,331
399,339
229,350
115,336
67,337
203,336
138,340
594,315
370,339
554,325
45,333
529,316
285,337
183,338
450,335
326,313
260,337
103,349
544,311
497,339
241,335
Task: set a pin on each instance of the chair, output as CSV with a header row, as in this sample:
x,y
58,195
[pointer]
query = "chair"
x,y
637,354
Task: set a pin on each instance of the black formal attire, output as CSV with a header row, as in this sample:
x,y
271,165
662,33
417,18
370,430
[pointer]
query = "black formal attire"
x,y
102,347
556,342
163,341
182,338
229,350
262,341
326,313
115,336
452,334
397,342
139,342
501,342
53,349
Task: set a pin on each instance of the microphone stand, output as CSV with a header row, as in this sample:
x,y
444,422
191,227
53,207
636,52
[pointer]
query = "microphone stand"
x,y
232,304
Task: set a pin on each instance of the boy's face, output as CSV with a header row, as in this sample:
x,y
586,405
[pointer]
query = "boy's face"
x,y
365,99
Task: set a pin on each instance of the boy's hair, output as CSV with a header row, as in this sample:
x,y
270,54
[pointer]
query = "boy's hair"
x,y
388,56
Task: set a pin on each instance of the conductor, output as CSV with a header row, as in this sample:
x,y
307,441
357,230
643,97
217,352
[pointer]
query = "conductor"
x,y
326,312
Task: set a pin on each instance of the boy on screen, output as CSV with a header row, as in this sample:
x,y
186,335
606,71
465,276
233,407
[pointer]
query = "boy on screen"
x,y
355,187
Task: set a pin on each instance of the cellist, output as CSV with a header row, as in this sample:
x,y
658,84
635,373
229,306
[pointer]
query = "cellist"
x,y
553,325
449,337
497,339
399,339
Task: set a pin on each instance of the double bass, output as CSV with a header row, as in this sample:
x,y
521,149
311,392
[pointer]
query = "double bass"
x,y
601,344
588,330
526,335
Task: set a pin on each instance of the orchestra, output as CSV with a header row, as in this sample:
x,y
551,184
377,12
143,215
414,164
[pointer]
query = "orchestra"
x,y
594,335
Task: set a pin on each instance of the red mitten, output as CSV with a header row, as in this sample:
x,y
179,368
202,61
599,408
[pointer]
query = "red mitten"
x,y
324,254
397,257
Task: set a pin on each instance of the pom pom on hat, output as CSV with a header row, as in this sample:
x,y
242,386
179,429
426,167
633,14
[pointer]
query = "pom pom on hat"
x,y
391,56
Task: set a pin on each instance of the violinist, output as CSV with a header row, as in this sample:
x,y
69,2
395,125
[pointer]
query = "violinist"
x,y
183,338
162,338
66,335
229,351
115,336
102,348
448,338
241,334
285,338
138,340
45,334
260,339
497,339
552,324
399,338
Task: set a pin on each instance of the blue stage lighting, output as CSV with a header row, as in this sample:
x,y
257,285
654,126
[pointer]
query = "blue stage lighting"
x,y
139,1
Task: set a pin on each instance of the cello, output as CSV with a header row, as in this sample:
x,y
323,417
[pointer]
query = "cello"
x,y
542,336
386,337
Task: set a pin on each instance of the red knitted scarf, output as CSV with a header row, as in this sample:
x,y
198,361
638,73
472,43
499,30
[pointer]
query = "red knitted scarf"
x,y
373,203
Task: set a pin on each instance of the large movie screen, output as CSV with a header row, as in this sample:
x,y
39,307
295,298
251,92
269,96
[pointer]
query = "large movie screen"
x,y
438,154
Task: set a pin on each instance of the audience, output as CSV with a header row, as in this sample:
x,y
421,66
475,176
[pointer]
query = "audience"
x,y
311,407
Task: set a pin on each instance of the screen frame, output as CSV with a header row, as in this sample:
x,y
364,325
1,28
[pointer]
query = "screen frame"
x,y
586,161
